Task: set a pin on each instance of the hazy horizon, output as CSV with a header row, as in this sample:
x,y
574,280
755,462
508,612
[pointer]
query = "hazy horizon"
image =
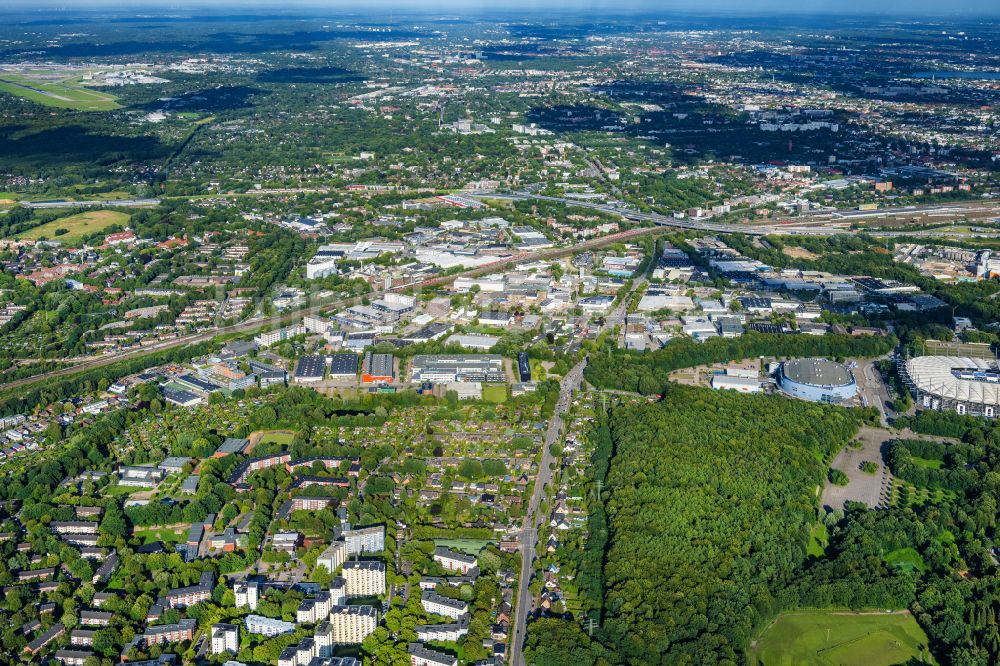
x,y
887,8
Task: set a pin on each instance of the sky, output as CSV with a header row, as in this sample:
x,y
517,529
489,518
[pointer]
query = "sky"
x,y
900,8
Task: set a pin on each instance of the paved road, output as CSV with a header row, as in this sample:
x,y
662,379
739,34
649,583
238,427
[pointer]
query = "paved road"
x,y
834,223
534,519
872,489
872,388
117,203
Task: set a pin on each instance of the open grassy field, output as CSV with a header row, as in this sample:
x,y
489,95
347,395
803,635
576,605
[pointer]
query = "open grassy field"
x,y
160,535
114,490
277,437
470,546
840,638
495,393
819,537
63,93
78,225
906,559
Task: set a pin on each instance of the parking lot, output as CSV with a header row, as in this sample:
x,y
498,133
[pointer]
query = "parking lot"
x,y
871,489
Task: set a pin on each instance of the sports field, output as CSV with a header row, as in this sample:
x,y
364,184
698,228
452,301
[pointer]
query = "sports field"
x,y
282,437
63,93
841,638
77,226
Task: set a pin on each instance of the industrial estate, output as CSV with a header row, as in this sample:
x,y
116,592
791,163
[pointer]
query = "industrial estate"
x,y
346,337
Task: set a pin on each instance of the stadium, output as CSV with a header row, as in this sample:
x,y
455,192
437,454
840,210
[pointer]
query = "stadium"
x,y
817,379
965,385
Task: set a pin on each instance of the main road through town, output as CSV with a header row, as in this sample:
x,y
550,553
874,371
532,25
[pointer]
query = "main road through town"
x,y
535,517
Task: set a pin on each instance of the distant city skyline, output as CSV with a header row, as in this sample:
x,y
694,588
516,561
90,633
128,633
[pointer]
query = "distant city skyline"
x,y
901,8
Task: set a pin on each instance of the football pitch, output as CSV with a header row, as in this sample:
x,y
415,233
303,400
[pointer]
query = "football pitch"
x,y
841,638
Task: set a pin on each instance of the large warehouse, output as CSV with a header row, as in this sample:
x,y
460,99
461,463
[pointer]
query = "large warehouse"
x,y
817,379
458,368
966,385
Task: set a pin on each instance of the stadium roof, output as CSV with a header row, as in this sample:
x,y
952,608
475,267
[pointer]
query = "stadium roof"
x,y
934,375
817,372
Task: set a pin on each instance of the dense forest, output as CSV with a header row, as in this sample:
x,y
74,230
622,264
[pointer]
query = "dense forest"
x,y
647,373
711,498
708,505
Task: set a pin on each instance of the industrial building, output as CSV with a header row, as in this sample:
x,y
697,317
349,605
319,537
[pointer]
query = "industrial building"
x,y
478,342
377,369
732,383
817,379
429,333
458,368
965,385
344,365
310,369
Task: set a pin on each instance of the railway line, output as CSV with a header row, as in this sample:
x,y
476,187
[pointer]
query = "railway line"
x,y
256,325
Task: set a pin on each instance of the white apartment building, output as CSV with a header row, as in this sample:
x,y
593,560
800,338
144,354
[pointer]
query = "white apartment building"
x,y
365,540
247,594
349,625
266,626
225,638
439,605
424,656
447,633
334,556
364,579
454,561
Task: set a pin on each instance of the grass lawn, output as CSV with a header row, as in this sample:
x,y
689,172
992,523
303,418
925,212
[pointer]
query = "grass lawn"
x,y
840,638
450,648
115,490
819,537
928,463
160,534
68,93
470,546
906,559
495,393
277,438
78,225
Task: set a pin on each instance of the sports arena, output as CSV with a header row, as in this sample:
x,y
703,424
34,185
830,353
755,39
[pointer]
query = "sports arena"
x,y
817,379
965,385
